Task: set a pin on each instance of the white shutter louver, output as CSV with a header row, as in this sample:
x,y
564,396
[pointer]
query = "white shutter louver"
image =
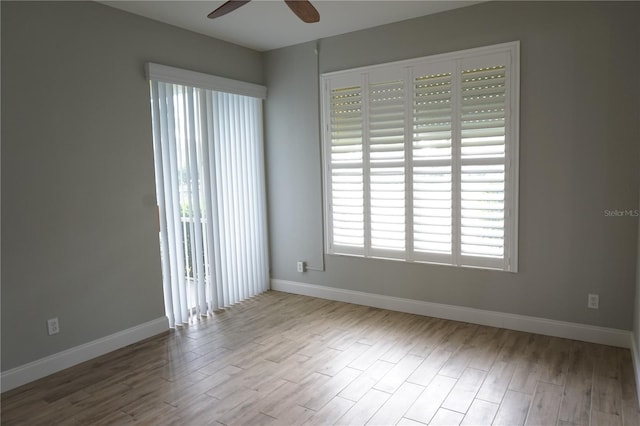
x,y
432,183
386,162
483,159
347,177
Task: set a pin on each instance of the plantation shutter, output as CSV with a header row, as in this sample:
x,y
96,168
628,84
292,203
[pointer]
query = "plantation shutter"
x,y
386,146
346,170
483,86
421,159
432,163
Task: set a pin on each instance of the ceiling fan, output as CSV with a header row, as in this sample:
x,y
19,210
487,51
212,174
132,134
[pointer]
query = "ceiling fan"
x,y
302,8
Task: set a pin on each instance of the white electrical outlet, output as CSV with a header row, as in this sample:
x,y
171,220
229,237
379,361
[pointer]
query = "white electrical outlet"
x,y
593,301
53,326
301,266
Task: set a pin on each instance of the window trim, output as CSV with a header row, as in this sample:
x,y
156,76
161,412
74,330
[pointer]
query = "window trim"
x,y
509,262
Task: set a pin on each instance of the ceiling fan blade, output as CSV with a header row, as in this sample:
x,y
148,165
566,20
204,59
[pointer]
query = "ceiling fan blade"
x,y
227,7
304,10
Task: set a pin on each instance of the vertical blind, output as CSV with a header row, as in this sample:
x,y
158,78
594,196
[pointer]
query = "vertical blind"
x,y
421,159
211,195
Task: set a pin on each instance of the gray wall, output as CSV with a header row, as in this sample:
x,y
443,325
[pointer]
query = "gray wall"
x,y
579,149
79,224
636,308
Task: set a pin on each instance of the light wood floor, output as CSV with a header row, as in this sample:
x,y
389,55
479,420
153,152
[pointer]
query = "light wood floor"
x,y
288,360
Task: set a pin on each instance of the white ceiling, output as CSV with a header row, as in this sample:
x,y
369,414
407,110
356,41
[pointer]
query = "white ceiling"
x,y
269,24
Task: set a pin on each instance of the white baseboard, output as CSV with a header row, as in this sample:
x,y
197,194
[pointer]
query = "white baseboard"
x,y
45,366
635,356
568,330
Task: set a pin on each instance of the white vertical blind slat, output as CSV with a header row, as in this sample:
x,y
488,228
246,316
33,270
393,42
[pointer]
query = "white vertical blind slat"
x,y
188,229
207,156
172,187
228,190
261,211
169,250
158,125
197,190
221,270
242,222
237,237
225,200
240,190
249,210
250,202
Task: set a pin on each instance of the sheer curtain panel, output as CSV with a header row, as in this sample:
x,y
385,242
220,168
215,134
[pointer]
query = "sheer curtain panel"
x,y
208,149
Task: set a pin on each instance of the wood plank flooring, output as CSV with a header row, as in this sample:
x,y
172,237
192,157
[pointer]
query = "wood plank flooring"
x,y
282,359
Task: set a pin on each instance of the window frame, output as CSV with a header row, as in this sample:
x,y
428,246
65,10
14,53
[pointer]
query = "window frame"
x,y
462,60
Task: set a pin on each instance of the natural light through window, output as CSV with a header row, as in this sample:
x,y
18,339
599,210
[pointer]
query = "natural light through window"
x,y
421,156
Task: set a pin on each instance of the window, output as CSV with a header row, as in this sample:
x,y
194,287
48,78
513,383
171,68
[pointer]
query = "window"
x,y
421,156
